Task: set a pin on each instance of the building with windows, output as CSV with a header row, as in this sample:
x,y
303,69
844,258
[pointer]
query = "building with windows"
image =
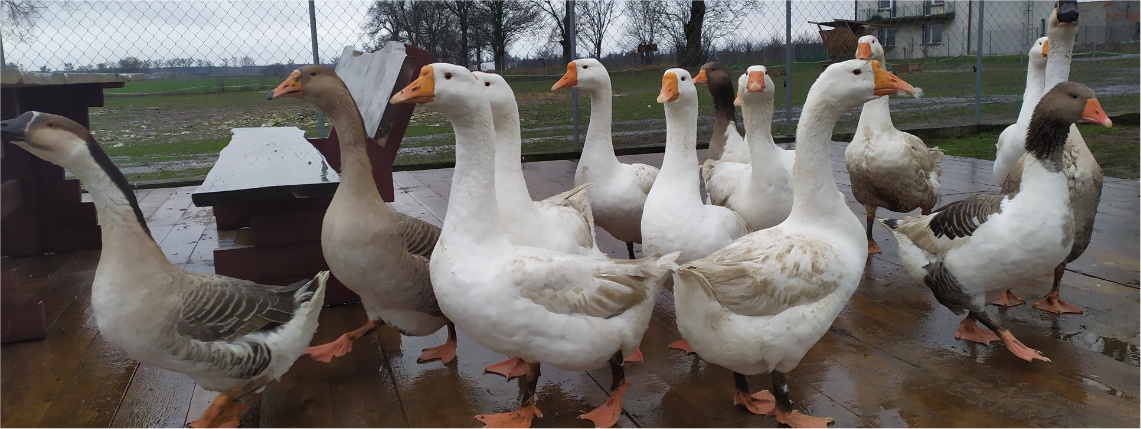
x,y
947,28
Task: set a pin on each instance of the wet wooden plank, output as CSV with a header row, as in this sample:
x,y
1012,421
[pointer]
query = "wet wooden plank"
x,y
156,398
91,395
178,244
435,203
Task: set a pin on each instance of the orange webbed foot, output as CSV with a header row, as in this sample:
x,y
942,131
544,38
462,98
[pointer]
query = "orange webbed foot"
x,y
607,414
762,403
682,345
1008,299
1026,353
520,418
445,353
798,420
224,412
970,331
874,248
510,368
326,352
1054,304
634,357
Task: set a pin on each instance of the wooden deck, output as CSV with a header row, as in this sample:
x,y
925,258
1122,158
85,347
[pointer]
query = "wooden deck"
x,y
890,359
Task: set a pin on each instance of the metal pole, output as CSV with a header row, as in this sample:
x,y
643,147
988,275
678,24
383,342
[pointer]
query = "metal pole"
x,y
979,67
316,60
573,36
788,67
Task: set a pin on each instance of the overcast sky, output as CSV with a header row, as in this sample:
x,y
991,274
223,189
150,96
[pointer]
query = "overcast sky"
x,y
90,32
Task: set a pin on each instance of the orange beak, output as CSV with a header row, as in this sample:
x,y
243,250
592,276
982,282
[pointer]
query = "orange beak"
x,y
887,83
569,79
864,52
1094,113
291,87
756,82
737,101
669,88
1045,47
701,78
421,90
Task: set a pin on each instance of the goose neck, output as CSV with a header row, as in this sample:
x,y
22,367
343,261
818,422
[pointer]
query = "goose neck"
x,y
510,185
472,210
599,146
126,238
679,163
1061,51
876,116
813,184
356,168
1035,80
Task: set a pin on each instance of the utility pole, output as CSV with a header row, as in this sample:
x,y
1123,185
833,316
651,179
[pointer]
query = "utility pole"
x,y
979,67
316,60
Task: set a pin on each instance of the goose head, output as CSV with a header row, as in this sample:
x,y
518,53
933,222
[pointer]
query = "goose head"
x,y
53,138
754,86
677,84
316,84
1071,102
714,74
1038,52
445,88
1063,22
869,48
585,73
497,92
850,84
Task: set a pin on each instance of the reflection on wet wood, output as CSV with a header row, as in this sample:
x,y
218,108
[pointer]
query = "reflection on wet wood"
x,y
890,358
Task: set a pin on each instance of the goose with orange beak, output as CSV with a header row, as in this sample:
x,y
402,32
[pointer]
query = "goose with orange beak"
x,y
675,218
543,306
617,190
973,249
1082,170
888,167
757,305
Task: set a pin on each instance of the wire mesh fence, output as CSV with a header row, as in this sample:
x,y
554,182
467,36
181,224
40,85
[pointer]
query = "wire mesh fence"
x,y
206,47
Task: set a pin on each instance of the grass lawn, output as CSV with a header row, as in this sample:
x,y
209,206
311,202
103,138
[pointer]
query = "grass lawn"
x,y
176,131
1116,149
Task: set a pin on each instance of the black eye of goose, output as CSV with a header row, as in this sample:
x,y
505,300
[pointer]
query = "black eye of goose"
x,y
683,78
487,84
1075,96
585,67
52,124
857,72
447,75
312,73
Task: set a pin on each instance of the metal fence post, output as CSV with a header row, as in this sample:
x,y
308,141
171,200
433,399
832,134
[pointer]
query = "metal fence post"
x,y
573,36
316,60
979,67
788,67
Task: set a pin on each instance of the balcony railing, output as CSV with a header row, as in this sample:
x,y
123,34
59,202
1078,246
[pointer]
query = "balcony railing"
x,y
909,11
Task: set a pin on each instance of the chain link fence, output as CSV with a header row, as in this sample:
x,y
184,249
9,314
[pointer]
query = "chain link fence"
x,y
207,47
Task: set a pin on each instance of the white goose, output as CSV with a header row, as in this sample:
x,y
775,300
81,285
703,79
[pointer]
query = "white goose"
x,y
675,219
971,250
760,303
562,222
1083,174
227,334
888,167
572,311
761,190
725,144
617,191
376,251
1011,144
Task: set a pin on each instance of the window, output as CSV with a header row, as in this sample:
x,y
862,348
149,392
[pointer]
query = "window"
x,y
886,36
934,2
933,34
884,4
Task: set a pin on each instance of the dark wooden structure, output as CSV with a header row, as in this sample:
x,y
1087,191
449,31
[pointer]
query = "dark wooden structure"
x,y
842,37
889,360
270,193
41,210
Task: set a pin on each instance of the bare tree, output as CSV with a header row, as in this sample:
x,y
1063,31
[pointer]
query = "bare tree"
x,y
465,13
594,18
689,33
645,25
425,24
557,11
509,19
20,17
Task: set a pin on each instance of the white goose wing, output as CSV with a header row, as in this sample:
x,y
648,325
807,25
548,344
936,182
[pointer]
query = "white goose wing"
x,y
571,212
769,272
723,179
598,287
642,176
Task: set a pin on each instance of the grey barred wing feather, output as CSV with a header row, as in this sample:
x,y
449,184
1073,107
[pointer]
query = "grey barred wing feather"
x,y
216,308
592,286
951,225
420,237
766,275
